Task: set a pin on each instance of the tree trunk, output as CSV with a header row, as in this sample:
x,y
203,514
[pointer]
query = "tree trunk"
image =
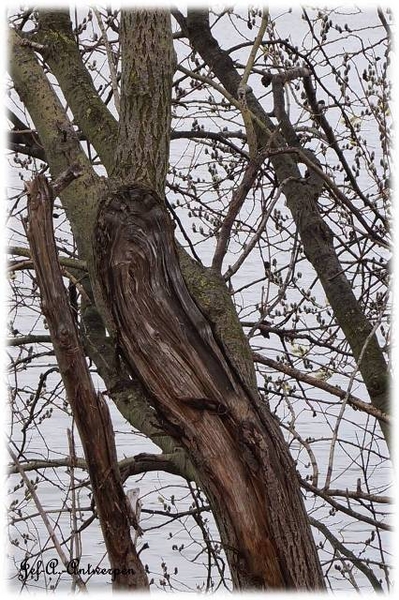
x,y
242,460
202,389
200,395
61,145
144,137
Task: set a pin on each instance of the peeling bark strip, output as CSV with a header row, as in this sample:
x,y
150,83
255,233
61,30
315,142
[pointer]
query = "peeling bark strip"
x,y
240,455
89,408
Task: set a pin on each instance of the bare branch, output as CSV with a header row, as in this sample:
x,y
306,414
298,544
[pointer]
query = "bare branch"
x,y
235,206
28,339
89,408
70,263
356,403
337,545
111,60
345,399
333,188
45,519
341,507
243,87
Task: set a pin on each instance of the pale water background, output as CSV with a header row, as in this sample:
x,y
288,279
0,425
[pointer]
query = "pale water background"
x,y
160,541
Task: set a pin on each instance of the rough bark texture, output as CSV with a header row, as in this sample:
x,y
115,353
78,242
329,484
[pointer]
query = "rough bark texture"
x,y
56,134
58,138
148,58
200,388
142,154
205,285
240,455
62,148
258,553
89,408
259,542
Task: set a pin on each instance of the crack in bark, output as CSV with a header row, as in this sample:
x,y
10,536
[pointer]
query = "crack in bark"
x,y
167,342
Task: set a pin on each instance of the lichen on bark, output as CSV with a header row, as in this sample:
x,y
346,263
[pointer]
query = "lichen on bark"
x,y
213,298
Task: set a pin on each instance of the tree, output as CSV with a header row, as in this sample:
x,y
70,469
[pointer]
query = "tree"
x,y
159,326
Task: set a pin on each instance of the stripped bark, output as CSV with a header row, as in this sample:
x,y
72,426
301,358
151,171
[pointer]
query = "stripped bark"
x,y
236,446
79,199
208,290
90,410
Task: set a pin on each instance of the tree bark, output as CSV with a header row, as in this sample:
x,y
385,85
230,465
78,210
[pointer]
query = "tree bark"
x,y
64,59
79,200
207,286
148,65
204,398
201,384
59,139
240,455
89,408
251,483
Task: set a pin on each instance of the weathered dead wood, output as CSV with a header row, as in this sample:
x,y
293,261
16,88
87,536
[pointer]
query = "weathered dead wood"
x,y
241,458
90,410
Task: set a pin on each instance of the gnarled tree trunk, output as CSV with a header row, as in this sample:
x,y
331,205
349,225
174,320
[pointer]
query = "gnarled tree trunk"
x,y
239,453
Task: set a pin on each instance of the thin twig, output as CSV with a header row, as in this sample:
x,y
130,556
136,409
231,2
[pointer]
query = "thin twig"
x,y
255,46
76,540
340,507
243,88
255,238
111,63
282,288
237,201
345,400
323,385
229,97
45,519
332,187
305,443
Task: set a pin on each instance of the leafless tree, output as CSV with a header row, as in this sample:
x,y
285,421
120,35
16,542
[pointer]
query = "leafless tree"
x,y
224,246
